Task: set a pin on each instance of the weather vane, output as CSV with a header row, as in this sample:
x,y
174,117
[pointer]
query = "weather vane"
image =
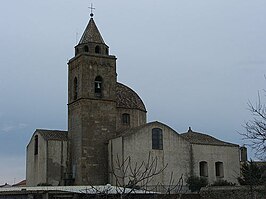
x,y
92,8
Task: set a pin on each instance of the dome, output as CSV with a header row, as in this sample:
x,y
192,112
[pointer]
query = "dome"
x,y
127,98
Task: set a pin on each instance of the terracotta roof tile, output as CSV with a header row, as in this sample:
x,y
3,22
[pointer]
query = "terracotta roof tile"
x,y
127,98
20,184
91,34
52,134
200,138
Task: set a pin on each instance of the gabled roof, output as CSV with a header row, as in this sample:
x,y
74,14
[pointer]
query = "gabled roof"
x,y
200,138
91,34
52,134
127,98
190,136
20,184
127,132
5,185
130,131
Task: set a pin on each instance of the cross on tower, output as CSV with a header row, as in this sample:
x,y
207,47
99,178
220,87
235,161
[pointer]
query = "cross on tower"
x,y
92,8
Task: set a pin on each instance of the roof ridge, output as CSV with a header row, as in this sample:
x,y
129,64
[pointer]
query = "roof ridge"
x,y
53,134
50,130
126,132
202,138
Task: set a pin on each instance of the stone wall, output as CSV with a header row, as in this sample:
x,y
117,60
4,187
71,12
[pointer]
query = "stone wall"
x,y
58,195
227,155
91,117
140,196
56,162
36,163
137,145
236,192
137,118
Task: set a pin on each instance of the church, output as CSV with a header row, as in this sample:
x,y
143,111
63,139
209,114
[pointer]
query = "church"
x,y
107,126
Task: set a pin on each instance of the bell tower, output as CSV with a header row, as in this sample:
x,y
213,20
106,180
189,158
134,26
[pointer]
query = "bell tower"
x,y
91,107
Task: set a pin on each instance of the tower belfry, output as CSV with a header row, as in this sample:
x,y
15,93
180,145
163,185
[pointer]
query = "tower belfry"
x,y
91,107
91,41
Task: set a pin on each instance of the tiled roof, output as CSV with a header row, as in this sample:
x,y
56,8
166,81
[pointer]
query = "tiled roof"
x,y
200,138
91,34
127,132
127,98
52,134
20,184
130,131
5,185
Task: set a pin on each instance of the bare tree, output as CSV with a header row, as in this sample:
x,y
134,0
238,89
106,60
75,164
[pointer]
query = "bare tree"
x,y
174,185
256,128
136,177
131,177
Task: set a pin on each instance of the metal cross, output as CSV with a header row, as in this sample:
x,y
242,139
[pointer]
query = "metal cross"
x,y
92,8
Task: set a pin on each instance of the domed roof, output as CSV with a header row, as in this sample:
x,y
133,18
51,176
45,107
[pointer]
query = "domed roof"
x,y
127,98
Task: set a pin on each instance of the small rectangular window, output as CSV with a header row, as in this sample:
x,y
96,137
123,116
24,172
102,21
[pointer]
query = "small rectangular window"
x,y
203,167
126,118
75,88
157,139
36,144
219,170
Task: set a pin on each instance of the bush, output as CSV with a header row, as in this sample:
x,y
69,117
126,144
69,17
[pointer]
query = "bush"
x,y
252,174
223,183
195,183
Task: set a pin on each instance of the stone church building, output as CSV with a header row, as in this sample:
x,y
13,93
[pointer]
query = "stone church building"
x,y
107,124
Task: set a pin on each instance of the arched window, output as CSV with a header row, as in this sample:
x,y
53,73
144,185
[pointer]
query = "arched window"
x,y
86,49
219,169
36,144
203,167
157,138
75,88
97,49
98,85
125,118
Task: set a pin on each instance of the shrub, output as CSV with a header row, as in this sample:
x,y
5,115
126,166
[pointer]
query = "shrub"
x,y
195,183
223,183
251,174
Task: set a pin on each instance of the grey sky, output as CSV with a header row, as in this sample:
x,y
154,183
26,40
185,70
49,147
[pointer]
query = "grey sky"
x,y
194,63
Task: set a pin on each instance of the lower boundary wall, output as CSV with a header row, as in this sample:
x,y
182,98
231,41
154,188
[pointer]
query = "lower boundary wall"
x,y
92,196
145,196
233,192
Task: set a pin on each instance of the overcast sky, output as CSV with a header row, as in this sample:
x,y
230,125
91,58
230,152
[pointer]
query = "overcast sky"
x,y
194,63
